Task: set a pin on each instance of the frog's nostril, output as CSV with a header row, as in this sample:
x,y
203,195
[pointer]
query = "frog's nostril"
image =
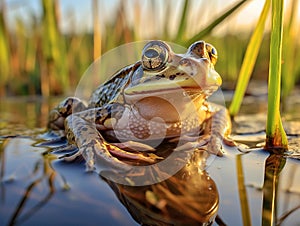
x,y
185,62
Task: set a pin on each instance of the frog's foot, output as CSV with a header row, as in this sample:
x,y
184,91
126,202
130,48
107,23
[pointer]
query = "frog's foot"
x,y
109,155
58,115
213,144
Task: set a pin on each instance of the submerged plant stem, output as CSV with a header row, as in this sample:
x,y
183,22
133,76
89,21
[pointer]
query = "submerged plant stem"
x,y
275,134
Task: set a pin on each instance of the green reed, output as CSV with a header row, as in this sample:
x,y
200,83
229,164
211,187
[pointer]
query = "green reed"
x,y
53,49
4,50
289,54
275,134
251,54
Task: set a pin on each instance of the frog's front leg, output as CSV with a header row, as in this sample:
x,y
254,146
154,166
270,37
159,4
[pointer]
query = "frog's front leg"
x,y
65,108
219,131
82,131
216,132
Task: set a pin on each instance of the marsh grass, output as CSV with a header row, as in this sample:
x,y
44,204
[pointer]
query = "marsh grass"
x,y
290,66
275,134
43,60
249,60
4,53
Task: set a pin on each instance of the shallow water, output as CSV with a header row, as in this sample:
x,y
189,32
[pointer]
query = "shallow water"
x,y
37,188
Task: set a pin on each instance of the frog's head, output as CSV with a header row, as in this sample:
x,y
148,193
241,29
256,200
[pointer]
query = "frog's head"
x,y
162,70
163,73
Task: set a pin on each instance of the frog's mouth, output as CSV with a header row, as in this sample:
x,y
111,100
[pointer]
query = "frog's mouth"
x,y
187,86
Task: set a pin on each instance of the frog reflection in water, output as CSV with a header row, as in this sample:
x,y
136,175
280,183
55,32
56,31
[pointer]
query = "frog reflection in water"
x,y
161,96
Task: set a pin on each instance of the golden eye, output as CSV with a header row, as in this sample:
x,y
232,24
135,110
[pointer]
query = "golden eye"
x,y
204,50
212,52
155,55
198,48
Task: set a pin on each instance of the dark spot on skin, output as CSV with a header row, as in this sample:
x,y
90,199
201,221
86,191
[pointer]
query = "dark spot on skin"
x,y
162,76
172,77
159,76
147,80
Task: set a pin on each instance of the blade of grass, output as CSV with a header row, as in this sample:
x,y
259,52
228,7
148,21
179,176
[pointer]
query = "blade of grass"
x,y
97,31
54,49
275,134
249,60
213,24
289,51
4,52
183,20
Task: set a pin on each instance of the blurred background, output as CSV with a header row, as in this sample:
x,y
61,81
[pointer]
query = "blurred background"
x,y
46,45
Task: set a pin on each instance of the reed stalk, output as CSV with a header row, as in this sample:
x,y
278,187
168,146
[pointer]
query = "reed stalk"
x,y
54,52
97,31
249,60
4,51
289,73
275,134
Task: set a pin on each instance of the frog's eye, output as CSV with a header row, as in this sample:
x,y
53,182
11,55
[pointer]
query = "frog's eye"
x,y
155,55
212,52
204,50
198,48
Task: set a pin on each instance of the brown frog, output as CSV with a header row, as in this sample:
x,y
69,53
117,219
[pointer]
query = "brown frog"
x,y
162,96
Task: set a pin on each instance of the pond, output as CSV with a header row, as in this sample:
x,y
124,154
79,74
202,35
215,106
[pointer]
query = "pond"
x,y
251,188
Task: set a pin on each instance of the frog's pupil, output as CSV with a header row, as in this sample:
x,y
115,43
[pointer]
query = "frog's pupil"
x,y
213,51
151,53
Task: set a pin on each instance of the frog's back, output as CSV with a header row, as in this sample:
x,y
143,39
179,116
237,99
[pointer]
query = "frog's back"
x,y
111,89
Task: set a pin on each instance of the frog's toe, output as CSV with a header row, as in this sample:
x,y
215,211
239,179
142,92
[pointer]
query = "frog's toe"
x,y
230,142
134,146
215,146
70,157
56,120
193,143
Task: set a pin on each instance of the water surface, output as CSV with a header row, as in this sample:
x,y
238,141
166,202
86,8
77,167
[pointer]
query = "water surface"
x,y
38,188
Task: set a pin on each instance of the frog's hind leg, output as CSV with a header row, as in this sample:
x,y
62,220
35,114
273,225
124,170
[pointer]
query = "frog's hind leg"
x,y
65,108
93,147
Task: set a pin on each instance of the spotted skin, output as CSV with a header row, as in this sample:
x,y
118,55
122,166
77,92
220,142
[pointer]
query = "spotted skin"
x,y
161,96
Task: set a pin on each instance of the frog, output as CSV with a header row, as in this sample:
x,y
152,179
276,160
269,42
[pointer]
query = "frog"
x,y
162,96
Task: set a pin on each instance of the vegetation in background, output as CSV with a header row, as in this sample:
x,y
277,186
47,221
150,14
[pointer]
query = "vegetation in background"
x,y
37,58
